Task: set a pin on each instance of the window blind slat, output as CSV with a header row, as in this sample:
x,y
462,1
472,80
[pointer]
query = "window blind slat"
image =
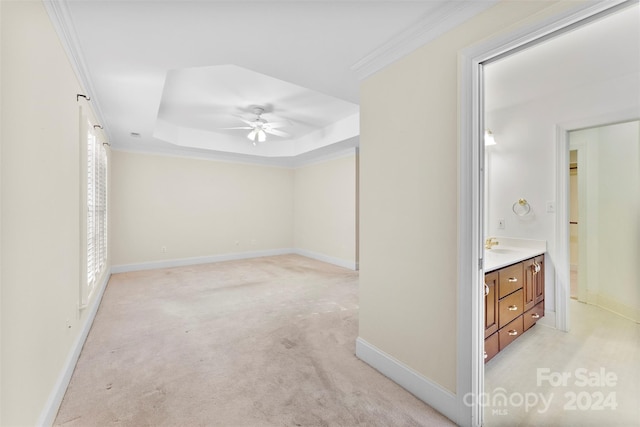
x,y
96,209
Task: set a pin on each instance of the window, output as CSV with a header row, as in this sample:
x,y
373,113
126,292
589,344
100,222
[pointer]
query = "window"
x,y
96,210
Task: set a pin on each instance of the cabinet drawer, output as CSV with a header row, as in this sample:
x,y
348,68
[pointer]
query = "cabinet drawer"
x,y
510,307
510,279
531,317
491,347
510,332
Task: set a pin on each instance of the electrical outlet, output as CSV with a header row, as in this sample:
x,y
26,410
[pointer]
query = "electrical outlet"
x,y
163,249
501,224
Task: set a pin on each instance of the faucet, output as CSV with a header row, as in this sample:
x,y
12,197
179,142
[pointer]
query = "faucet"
x,y
490,242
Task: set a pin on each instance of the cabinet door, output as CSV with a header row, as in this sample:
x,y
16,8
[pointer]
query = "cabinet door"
x,y
530,278
491,347
539,293
491,303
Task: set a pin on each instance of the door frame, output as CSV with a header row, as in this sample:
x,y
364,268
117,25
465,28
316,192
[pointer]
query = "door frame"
x,y
470,342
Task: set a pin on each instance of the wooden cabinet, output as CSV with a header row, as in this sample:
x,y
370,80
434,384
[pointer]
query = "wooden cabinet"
x,y
510,307
531,316
511,279
514,301
540,279
530,276
490,303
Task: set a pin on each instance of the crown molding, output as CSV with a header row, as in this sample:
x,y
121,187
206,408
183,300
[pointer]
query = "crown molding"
x,y
60,17
435,23
344,148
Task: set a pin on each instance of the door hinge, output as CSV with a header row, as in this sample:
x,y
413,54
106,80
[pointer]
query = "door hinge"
x,y
480,266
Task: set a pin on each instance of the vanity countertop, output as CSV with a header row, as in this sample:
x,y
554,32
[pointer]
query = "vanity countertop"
x,y
510,251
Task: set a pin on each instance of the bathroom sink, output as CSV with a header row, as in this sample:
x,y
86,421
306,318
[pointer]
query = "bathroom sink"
x,y
503,251
510,251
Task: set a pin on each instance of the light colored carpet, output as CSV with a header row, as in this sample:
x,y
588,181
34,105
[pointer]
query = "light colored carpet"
x,y
262,342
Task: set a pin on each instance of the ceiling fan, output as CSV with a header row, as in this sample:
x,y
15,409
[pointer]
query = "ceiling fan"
x,y
259,127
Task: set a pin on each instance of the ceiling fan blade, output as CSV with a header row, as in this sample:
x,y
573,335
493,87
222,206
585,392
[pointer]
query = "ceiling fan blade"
x,y
277,132
245,121
275,125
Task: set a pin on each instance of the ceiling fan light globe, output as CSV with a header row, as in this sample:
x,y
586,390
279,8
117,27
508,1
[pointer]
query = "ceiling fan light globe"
x,y
262,136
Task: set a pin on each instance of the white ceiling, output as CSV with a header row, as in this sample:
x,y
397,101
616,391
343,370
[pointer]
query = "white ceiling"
x,y
125,50
606,49
175,71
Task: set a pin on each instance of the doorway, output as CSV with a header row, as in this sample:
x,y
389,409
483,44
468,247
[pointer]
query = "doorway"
x,y
474,62
607,202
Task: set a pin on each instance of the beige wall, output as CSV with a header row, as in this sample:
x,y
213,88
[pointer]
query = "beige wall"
x,y
41,205
196,208
325,209
409,200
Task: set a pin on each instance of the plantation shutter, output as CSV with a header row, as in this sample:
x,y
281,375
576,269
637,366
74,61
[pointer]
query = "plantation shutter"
x,y
96,208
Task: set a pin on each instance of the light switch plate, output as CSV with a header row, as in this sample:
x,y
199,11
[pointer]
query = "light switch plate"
x,y
551,207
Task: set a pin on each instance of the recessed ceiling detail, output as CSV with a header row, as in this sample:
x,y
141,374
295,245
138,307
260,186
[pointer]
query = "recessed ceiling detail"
x,y
216,108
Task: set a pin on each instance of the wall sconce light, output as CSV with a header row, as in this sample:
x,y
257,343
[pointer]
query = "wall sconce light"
x,y
488,138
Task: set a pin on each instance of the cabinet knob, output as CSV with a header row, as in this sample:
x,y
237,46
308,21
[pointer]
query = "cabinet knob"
x,y
513,279
486,290
513,308
513,332
535,315
485,355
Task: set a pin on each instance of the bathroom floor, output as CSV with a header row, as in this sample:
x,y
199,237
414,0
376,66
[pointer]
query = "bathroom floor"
x,y
589,376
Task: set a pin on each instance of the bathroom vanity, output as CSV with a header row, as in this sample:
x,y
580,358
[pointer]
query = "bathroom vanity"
x,y
514,292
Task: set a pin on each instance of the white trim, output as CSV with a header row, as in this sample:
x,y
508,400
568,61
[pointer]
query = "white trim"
x,y
321,158
433,24
470,366
582,215
181,262
334,151
351,265
51,407
470,339
562,273
439,398
210,155
60,17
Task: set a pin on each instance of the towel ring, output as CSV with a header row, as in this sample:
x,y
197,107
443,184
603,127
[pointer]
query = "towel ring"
x,y
521,207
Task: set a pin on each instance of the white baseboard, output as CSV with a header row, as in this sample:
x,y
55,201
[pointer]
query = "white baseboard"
x,y
615,306
181,262
351,265
549,319
432,394
51,407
